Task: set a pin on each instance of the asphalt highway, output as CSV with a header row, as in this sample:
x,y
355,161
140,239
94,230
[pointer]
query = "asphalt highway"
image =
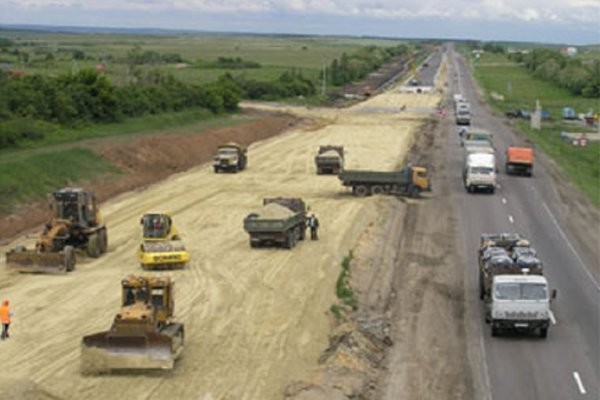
x,y
566,365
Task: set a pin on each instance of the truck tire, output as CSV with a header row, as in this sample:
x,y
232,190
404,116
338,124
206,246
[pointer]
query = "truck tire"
x,y
377,189
414,192
544,332
319,171
290,240
93,246
103,241
216,169
69,258
481,290
361,191
253,243
493,190
495,330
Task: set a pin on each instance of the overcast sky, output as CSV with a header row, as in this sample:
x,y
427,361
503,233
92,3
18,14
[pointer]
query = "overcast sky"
x,y
558,21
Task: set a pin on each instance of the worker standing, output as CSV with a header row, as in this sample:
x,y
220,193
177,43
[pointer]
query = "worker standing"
x,y
5,316
313,224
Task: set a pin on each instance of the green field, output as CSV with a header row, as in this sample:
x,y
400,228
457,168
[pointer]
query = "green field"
x,y
495,73
32,177
275,54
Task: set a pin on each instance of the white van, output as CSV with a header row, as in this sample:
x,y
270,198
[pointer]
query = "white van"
x,y
480,172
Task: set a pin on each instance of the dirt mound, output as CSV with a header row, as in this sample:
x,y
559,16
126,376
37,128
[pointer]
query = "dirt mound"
x,y
274,211
149,159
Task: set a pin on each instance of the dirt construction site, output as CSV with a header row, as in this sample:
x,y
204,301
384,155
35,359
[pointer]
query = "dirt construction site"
x,y
256,320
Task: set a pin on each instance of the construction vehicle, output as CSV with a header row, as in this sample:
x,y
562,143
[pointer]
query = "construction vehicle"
x,y
76,224
409,181
281,221
329,159
230,157
519,160
161,246
143,334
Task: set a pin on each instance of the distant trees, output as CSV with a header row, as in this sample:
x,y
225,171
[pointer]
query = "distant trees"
x,y
89,97
289,84
349,68
572,74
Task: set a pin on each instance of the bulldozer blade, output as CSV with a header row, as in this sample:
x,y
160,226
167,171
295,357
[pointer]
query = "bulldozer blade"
x,y
34,261
106,352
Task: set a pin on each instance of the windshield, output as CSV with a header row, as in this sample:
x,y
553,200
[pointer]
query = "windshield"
x,y
227,152
155,226
482,170
520,291
463,112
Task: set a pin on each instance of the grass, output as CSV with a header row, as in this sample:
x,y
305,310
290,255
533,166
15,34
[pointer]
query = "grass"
x,y
580,165
33,177
275,53
342,288
188,121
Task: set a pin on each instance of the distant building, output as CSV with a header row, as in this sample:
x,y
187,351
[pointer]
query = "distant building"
x,y
569,51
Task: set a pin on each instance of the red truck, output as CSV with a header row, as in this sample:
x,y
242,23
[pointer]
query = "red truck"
x,y
519,160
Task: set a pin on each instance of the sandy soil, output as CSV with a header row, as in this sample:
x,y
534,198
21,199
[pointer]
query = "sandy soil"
x,y
148,159
254,318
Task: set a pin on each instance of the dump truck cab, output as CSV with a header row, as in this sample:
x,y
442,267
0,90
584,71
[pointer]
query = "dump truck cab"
x,y
420,178
230,157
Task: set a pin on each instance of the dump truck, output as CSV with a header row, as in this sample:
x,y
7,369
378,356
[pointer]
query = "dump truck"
x,y
143,334
281,221
519,160
161,247
231,157
409,181
76,223
329,159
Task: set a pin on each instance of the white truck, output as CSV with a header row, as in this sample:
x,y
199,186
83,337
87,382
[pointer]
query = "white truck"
x,y
521,303
463,114
479,172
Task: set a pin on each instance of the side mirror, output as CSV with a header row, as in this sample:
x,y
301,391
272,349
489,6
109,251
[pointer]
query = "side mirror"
x,y
554,292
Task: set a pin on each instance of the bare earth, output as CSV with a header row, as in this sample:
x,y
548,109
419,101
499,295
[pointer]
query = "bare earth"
x,y
255,319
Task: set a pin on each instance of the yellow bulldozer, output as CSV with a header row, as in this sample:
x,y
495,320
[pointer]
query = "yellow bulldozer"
x,y
142,336
76,224
161,246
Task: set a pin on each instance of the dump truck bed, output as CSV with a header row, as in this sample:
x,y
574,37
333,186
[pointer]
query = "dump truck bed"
x,y
351,177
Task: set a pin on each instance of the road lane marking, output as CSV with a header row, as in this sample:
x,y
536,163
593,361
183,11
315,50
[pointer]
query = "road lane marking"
x,y
503,200
564,236
552,318
511,219
579,383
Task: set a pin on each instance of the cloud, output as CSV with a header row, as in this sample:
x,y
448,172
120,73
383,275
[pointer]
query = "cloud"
x,y
582,15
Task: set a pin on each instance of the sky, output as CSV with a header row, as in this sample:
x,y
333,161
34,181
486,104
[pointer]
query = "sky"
x,y
551,21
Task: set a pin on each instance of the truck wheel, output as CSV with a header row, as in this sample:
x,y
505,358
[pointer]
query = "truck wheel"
x,y
377,189
289,240
492,189
103,239
253,243
414,192
93,246
361,191
495,330
544,332
481,291
69,258
216,170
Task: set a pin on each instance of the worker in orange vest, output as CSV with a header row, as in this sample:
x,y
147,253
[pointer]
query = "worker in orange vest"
x,y
5,315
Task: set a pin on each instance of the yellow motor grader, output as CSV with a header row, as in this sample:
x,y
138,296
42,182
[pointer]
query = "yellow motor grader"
x,y
142,335
76,224
161,246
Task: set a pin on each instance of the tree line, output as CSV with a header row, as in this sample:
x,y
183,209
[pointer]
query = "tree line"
x,y
353,67
581,79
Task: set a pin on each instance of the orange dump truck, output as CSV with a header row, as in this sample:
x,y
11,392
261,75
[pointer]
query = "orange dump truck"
x,y
519,160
